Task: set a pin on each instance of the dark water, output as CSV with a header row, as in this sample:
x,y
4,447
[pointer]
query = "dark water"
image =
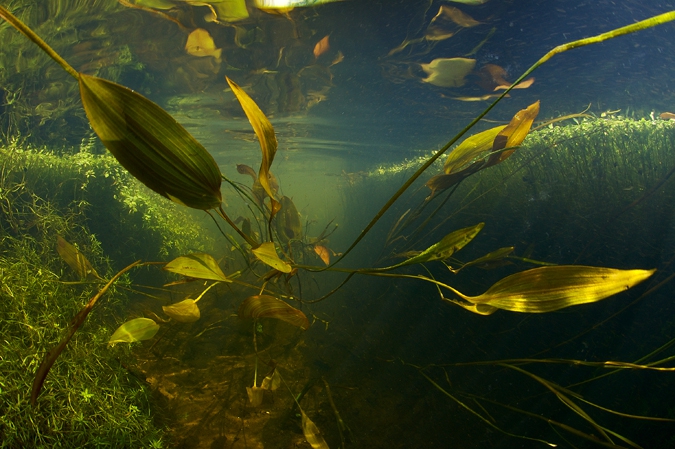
x,y
405,368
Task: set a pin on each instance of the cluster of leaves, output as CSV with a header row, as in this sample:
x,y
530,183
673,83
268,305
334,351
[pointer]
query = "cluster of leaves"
x,y
161,154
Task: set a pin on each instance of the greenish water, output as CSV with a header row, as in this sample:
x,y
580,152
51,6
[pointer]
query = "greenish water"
x,y
382,358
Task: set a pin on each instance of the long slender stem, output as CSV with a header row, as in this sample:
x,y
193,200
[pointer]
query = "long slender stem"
x,y
638,26
23,29
248,239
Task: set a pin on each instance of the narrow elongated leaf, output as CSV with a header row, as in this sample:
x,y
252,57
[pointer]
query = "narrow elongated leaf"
x,y
138,329
185,311
150,144
312,433
263,130
265,306
491,257
75,259
198,266
267,254
545,289
450,244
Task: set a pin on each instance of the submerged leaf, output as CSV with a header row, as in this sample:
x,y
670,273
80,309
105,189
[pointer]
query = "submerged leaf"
x,y
514,134
75,259
323,253
138,329
312,433
289,225
448,72
322,46
265,132
271,382
200,43
255,395
185,311
265,306
150,144
267,254
470,149
450,244
546,289
198,266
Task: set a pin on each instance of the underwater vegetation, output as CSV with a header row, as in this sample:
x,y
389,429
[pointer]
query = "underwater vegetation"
x,y
277,273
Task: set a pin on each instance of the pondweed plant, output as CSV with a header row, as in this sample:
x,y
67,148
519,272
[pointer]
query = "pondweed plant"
x,y
167,159
93,401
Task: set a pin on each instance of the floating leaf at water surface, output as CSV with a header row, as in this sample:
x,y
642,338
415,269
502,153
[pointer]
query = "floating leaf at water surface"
x,y
550,288
138,329
448,72
150,144
266,306
198,266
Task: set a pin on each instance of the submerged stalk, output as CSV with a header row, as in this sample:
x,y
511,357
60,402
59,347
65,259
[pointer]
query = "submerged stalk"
x,y
26,31
639,26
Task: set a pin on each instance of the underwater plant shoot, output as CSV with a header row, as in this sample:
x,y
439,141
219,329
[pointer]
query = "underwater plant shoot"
x,y
317,223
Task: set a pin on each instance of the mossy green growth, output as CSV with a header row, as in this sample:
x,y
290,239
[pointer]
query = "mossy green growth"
x,y
130,221
89,399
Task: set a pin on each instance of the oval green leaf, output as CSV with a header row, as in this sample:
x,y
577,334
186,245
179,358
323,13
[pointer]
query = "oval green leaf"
x,y
185,311
198,266
267,254
546,289
138,329
265,306
150,144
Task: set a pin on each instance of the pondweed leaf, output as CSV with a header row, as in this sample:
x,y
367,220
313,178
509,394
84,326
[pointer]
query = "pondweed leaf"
x,y
267,254
312,433
185,311
138,329
150,144
448,245
263,130
75,259
265,306
550,288
198,266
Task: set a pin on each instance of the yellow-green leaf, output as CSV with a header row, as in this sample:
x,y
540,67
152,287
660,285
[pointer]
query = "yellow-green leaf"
x,y
265,306
471,148
255,395
150,144
138,329
185,311
450,244
263,130
267,254
312,433
198,266
75,259
550,288
271,382
514,134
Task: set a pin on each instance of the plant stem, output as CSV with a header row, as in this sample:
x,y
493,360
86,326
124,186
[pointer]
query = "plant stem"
x,y
30,34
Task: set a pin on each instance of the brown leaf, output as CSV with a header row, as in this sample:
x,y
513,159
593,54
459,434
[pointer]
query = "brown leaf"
x,y
265,306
